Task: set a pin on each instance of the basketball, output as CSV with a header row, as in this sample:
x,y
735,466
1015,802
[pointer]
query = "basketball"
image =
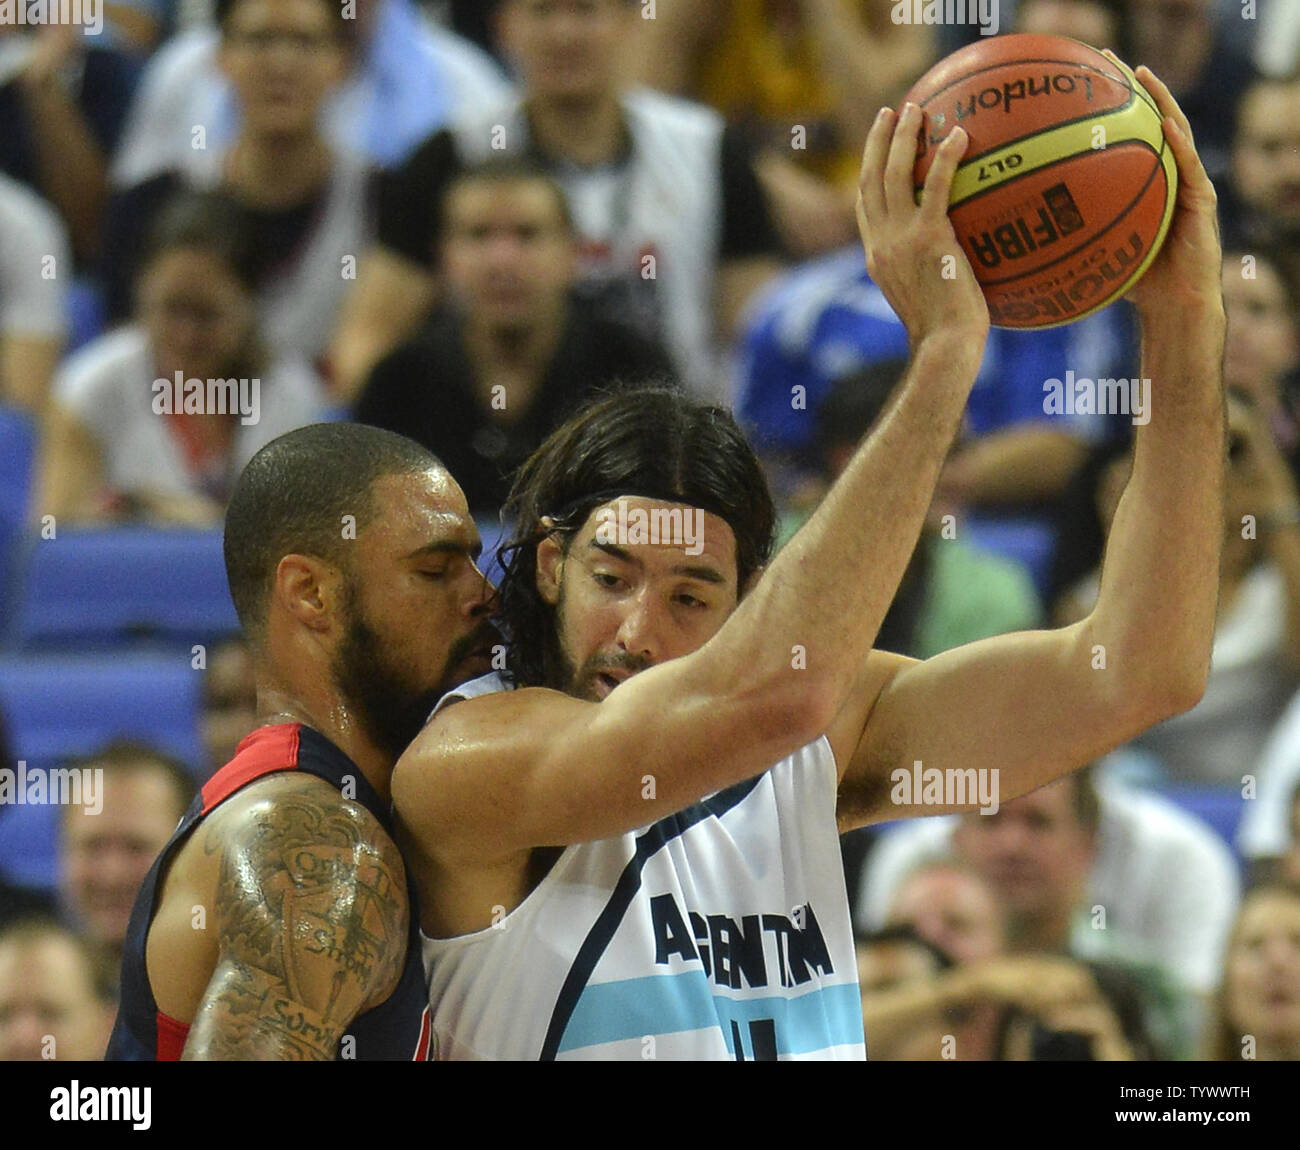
x,y
1067,187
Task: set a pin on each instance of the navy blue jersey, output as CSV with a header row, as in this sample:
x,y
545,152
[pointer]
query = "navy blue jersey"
x,y
397,1029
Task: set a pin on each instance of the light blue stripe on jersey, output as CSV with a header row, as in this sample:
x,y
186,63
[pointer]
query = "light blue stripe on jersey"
x,y
671,1003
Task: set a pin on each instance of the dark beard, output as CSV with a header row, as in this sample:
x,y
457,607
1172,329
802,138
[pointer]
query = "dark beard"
x,y
389,710
580,682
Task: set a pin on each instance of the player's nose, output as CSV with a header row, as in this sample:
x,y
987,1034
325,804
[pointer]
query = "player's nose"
x,y
480,595
640,629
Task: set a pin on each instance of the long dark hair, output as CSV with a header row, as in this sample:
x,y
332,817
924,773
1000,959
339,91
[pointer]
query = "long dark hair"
x,y
652,441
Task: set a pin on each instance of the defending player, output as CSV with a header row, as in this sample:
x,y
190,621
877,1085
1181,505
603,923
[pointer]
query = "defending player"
x,y
276,923
609,862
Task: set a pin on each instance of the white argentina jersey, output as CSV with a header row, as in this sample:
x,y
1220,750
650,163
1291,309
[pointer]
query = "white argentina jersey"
x,y
721,932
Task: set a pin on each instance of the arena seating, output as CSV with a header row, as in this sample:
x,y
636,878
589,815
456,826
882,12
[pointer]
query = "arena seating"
x,y
61,706
17,452
100,588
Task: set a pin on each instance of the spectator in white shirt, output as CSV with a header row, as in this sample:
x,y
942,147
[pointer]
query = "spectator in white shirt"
x,y
35,267
119,445
1166,886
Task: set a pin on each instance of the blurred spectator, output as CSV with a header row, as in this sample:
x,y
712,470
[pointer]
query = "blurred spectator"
x,y
1277,46
825,319
407,78
1166,883
1178,41
117,445
229,701
1256,661
56,1000
952,592
304,203
982,1004
1263,341
1101,23
140,25
951,907
473,19
105,855
35,266
1261,207
803,79
1289,866
513,353
674,228
1258,1014
1269,836
63,101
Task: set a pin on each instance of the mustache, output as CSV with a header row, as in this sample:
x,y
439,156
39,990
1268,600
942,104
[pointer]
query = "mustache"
x,y
598,664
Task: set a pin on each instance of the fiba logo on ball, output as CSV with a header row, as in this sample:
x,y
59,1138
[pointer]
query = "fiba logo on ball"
x,y
1055,226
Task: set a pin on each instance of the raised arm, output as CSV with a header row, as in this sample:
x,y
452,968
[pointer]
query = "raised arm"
x,y
494,777
311,915
1036,705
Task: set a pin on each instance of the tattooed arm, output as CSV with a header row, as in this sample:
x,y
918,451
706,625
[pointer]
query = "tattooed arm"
x,y
311,917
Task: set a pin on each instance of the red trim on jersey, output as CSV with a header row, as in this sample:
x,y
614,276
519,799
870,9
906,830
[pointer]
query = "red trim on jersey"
x,y
426,1033
266,750
171,1038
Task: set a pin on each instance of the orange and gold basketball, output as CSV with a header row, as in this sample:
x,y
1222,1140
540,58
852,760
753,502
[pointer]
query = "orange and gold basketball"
x,y
1067,187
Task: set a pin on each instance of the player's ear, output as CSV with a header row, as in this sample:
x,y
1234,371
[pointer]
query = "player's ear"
x,y
550,557
308,589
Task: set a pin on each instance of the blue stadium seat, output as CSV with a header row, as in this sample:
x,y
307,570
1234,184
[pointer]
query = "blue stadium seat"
x,y
88,588
86,314
29,845
17,458
1221,807
61,706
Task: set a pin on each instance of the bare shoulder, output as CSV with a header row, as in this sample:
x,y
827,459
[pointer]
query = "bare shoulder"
x,y
475,756
292,811
312,916
488,726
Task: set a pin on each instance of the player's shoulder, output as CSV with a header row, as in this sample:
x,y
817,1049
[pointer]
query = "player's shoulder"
x,y
298,820
484,724
482,711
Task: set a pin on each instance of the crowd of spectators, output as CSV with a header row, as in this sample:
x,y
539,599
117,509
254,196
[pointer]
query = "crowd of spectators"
x,y
459,221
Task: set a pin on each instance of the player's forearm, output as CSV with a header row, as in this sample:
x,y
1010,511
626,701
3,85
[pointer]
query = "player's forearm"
x,y
810,623
1159,585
